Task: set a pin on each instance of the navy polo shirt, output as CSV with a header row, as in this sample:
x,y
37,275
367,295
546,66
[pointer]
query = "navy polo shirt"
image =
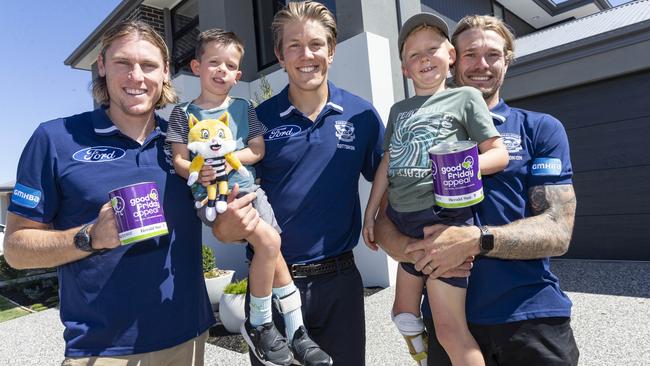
x,y
502,291
311,171
136,298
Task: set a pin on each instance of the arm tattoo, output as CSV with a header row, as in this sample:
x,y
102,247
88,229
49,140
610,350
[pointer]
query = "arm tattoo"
x,y
545,234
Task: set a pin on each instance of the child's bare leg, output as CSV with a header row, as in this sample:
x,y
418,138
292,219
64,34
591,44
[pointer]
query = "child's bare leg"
x,y
266,244
448,310
408,293
406,314
282,277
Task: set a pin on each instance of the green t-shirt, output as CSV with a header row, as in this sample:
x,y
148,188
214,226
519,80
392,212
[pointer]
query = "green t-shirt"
x,y
421,122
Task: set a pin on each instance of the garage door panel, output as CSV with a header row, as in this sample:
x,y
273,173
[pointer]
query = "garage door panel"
x,y
616,99
613,237
611,145
614,191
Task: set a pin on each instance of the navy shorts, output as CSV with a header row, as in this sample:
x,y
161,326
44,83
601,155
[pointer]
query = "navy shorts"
x,y
413,223
333,313
533,342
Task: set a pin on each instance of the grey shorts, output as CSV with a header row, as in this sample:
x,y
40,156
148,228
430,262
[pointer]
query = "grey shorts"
x,y
261,204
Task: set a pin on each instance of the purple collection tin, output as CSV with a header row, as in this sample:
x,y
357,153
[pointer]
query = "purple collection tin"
x,y
138,212
456,174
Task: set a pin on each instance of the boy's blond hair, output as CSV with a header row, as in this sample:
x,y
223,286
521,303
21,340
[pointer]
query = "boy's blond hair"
x,y
301,11
222,38
143,31
486,22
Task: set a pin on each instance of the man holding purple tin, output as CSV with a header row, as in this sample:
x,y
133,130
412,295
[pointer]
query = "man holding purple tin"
x,y
515,307
139,303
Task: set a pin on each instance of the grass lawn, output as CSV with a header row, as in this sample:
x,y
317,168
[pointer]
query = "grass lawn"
x,y
10,311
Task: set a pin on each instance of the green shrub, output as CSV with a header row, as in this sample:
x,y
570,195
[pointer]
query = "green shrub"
x,y
208,259
237,288
8,272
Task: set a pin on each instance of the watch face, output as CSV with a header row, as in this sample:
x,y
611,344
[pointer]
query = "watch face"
x,y
82,240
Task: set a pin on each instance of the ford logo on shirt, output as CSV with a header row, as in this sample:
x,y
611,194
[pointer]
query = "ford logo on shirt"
x,y
98,154
282,132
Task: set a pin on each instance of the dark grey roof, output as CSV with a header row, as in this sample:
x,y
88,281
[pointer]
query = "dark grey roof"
x,y
566,33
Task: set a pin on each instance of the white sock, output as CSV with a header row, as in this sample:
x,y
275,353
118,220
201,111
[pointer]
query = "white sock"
x,y
260,310
293,319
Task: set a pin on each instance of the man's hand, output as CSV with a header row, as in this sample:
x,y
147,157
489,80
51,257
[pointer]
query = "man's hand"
x,y
239,220
461,271
104,231
445,248
207,175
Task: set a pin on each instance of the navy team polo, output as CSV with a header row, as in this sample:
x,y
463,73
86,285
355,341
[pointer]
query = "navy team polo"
x,y
502,291
136,298
310,171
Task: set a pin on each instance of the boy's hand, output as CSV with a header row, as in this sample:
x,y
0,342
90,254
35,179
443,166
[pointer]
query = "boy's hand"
x,y
369,233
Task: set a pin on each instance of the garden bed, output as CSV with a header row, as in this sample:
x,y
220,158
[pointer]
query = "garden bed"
x,y
37,295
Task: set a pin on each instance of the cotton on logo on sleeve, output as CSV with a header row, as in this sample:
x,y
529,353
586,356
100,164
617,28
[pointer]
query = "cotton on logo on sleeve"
x,y
547,167
25,196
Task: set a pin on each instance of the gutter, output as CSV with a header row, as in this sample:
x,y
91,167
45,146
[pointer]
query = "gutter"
x,y
120,12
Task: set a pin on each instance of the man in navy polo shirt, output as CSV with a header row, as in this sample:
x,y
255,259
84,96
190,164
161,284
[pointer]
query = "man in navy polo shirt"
x,y
320,139
515,308
143,303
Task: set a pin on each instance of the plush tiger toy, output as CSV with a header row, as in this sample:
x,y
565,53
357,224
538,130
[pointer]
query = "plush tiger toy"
x,y
212,142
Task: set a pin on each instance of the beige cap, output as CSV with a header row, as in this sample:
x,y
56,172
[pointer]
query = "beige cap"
x,y
418,20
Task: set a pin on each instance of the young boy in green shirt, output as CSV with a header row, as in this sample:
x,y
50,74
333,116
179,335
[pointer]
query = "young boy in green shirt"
x,y
434,115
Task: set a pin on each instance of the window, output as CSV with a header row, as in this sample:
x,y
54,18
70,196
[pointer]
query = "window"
x,y
555,7
185,29
263,12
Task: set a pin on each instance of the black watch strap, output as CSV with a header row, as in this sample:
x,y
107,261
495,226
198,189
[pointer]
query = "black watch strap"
x,y
83,240
486,242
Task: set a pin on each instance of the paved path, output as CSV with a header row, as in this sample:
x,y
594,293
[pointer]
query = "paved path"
x,y
610,320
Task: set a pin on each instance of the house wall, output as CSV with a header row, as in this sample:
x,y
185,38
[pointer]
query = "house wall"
x,y
355,70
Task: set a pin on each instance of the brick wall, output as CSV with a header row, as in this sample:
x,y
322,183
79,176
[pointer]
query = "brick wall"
x,y
151,16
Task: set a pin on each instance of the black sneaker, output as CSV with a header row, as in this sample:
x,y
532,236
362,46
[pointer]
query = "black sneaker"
x,y
267,343
306,351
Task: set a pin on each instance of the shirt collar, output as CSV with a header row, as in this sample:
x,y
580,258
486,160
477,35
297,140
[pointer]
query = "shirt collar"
x,y
500,112
334,102
103,126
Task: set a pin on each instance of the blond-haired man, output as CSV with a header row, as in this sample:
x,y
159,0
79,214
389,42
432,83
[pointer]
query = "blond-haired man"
x,y
143,303
320,139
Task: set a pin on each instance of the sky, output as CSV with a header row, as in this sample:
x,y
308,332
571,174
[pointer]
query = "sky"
x,y
35,86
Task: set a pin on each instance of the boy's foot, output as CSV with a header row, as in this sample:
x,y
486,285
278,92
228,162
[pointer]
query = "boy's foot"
x,y
268,345
306,351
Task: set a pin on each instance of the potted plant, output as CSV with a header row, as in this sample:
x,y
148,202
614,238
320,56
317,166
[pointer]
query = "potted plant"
x,y
231,306
215,279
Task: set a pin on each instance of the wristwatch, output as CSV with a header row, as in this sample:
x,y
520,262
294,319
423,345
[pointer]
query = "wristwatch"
x,y
83,241
486,243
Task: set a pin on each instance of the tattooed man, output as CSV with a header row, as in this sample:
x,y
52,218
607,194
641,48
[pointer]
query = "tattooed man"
x,y
515,308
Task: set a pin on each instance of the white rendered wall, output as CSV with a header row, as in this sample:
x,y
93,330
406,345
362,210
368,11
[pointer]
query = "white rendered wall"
x,y
355,70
